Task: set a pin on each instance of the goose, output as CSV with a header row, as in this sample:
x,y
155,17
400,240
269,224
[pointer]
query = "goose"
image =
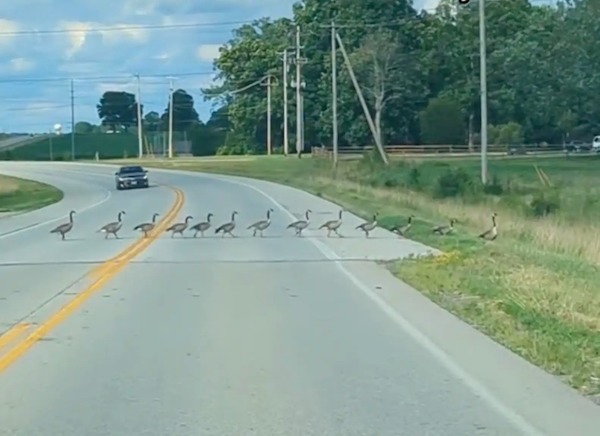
x,y
203,226
179,227
301,225
445,230
491,234
368,226
228,227
147,227
65,228
333,225
262,225
114,227
402,230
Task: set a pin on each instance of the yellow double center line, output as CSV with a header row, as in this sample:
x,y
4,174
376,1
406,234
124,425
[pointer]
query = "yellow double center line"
x,y
107,271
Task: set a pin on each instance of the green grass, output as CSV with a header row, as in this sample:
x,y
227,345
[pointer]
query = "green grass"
x,y
19,195
109,146
534,289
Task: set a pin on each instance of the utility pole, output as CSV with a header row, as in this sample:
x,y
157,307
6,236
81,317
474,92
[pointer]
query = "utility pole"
x,y
139,118
299,103
269,145
171,79
376,136
334,95
483,84
286,144
72,120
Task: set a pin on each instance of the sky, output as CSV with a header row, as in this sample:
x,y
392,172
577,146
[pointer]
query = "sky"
x,y
44,44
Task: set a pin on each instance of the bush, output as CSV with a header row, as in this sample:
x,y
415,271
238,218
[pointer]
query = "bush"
x,y
494,187
454,183
413,178
544,204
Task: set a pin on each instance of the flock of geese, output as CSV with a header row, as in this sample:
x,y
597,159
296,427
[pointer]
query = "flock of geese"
x,y
259,227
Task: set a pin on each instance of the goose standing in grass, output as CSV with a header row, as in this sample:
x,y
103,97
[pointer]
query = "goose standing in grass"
x,y
368,226
147,227
492,233
402,230
445,229
65,228
301,225
227,227
333,225
114,227
262,225
179,227
202,227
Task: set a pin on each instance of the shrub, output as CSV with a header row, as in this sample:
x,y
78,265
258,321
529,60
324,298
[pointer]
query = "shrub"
x,y
494,187
454,183
544,204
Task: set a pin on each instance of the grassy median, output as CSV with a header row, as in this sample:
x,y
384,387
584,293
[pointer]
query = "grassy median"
x,y
19,195
534,289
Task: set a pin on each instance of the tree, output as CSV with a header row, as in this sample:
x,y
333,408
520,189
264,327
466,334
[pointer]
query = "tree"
x,y
152,122
117,109
386,73
83,127
442,123
184,113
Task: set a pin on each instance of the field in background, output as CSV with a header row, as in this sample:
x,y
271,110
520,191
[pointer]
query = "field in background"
x,y
19,195
58,147
533,290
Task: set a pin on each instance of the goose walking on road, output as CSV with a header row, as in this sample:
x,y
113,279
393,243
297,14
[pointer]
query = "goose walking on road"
x,y
203,226
227,227
65,228
114,227
368,226
301,225
179,227
492,233
402,230
333,225
147,227
262,225
445,229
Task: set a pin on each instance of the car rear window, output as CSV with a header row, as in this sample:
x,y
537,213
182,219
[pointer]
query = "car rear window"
x,y
132,170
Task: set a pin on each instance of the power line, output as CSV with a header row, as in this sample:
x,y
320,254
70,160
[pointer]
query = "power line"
x,y
102,78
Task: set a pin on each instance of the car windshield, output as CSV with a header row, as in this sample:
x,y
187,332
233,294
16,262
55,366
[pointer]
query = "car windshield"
x,y
126,170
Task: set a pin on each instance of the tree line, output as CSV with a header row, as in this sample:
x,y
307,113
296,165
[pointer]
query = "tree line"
x,y
117,111
418,72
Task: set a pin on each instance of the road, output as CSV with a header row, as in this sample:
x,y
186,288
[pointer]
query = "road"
x,y
239,336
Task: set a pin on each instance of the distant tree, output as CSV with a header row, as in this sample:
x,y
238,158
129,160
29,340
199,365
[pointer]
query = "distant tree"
x,y
443,123
84,127
184,113
152,122
117,109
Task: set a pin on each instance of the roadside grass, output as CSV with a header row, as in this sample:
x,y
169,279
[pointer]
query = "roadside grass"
x,y
19,195
534,289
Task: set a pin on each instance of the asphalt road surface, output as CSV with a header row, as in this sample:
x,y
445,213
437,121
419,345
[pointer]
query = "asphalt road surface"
x,y
239,336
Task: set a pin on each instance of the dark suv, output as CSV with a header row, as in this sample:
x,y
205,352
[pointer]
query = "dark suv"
x,y
131,177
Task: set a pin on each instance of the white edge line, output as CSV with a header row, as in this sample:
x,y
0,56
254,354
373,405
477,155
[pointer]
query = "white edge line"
x,y
514,418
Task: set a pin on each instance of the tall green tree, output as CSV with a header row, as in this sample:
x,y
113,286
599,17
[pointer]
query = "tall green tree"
x,y
117,109
184,113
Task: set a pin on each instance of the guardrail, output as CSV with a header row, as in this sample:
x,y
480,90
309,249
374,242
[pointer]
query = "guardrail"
x,y
436,150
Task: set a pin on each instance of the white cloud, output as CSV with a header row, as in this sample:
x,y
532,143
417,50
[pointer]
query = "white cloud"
x,y
20,65
79,31
8,26
208,52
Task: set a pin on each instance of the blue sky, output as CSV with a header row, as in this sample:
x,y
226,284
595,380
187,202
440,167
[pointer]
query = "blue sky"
x,y
106,60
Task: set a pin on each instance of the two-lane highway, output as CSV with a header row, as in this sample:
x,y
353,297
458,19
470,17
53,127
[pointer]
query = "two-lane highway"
x,y
236,336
